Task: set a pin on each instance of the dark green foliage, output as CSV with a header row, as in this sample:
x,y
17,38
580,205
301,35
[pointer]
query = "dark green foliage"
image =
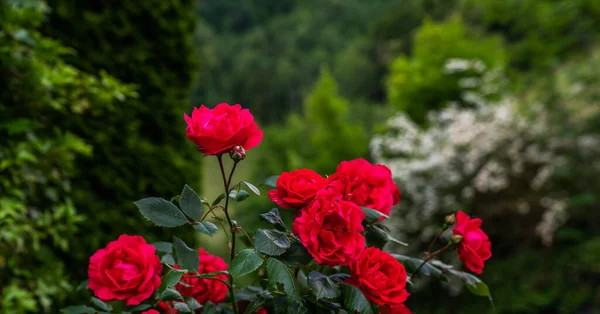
x,y
38,157
140,149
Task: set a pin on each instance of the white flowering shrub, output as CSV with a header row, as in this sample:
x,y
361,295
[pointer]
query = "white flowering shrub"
x,y
496,159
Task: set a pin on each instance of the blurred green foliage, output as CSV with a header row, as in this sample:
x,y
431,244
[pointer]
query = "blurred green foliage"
x,y
85,132
38,157
417,84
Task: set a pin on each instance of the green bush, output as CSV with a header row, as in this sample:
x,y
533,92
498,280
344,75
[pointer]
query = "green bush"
x,y
38,157
141,149
418,83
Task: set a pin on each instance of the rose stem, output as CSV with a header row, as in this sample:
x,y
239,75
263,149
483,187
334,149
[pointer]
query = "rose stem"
x,y
226,183
429,257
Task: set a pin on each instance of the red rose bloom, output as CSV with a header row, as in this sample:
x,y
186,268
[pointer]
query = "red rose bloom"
x,y
475,246
338,184
297,188
126,269
204,290
167,307
329,228
372,186
380,277
395,309
151,311
218,130
243,305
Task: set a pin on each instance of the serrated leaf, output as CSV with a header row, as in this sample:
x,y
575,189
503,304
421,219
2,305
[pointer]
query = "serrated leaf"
x,y
372,215
296,255
378,237
185,257
218,199
181,307
163,247
322,287
245,262
411,264
141,307
472,283
78,309
206,227
239,195
161,212
279,273
252,188
271,242
170,294
190,203
273,217
355,301
101,305
271,181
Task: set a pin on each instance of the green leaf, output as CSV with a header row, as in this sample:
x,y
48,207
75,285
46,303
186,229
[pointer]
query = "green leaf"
x,y
78,309
101,305
193,304
168,258
206,227
273,217
170,294
190,203
473,283
252,188
163,247
253,306
141,307
245,262
271,242
238,195
271,181
209,308
170,280
322,287
412,264
161,212
373,215
218,199
185,257
378,237
278,273
296,255
355,301
181,307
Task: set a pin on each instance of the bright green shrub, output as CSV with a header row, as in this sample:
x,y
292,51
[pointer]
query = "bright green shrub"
x,y
417,84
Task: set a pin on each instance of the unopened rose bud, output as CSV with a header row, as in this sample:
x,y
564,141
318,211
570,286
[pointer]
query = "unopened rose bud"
x,y
450,219
237,153
456,238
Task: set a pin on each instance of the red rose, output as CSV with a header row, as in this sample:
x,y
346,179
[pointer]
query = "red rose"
x,y
338,184
218,130
167,307
395,309
151,311
372,186
127,269
329,228
243,305
297,188
203,289
475,246
380,277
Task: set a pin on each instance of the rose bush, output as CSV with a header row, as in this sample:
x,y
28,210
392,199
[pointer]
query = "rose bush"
x,y
331,261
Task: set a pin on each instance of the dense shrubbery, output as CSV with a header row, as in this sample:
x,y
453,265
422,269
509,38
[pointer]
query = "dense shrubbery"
x,y
66,166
